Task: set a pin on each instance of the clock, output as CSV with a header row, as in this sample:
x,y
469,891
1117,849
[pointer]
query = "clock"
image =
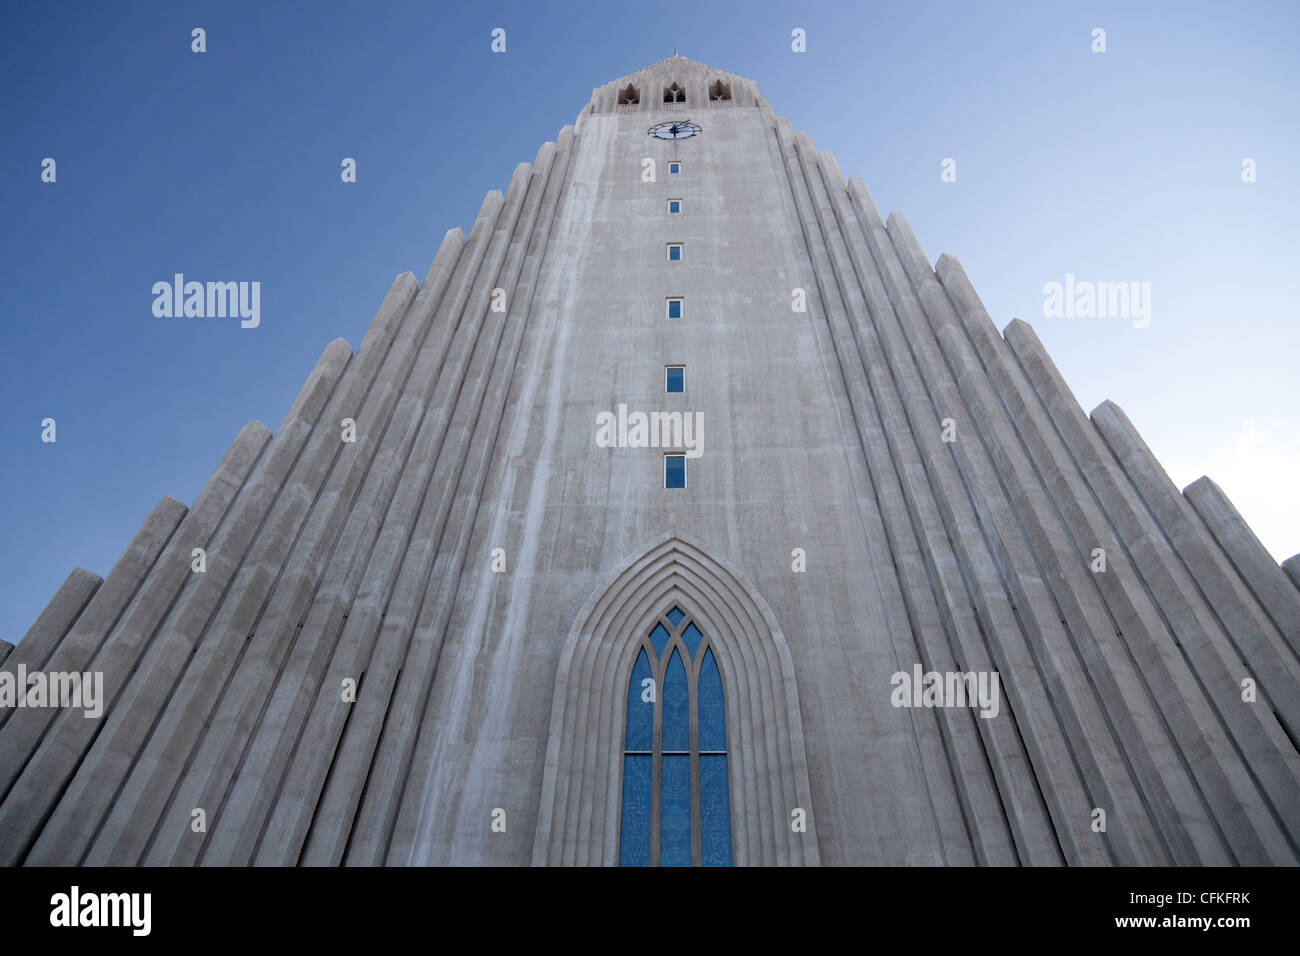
x,y
679,130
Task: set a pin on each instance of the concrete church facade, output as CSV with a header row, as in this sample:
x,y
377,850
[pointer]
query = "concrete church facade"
x,y
631,534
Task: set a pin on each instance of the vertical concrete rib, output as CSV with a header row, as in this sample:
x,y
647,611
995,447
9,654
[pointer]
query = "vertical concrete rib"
x,y
1024,663
1259,573
1292,568
280,627
123,735
1067,525
1248,826
120,650
476,429
909,508
276,627
1024,536
1168,802
53,623
163,774
26,793
233,833
1268,753
458,386
313,758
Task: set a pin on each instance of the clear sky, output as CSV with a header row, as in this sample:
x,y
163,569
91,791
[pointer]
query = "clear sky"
x,y
1117,166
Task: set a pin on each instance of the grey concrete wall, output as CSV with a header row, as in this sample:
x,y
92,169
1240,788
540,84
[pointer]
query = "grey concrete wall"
x,y
476,425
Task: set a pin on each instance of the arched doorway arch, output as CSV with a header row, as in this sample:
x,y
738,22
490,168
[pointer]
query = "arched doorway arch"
x,y
578,820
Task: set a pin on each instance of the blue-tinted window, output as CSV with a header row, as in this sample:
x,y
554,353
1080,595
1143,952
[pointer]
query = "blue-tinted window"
x,y
676,728
674,471
674,205
684,744
691,638
634,837
674,168
674,308
712,716
659,639
715,811
675,378
640,712
675,811
674,252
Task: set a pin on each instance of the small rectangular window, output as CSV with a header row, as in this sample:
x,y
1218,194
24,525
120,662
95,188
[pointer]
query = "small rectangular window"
x,y
674,205
674,471
675,378
675,308
674,252
674,169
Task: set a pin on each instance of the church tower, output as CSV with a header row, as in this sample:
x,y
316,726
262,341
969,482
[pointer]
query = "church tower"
x,y
683,514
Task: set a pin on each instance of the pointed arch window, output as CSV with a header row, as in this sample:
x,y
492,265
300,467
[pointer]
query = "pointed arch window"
x,y
630,96
719,92
676,808
674,94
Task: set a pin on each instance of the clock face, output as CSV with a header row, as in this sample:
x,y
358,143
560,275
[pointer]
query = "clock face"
x,y
679,130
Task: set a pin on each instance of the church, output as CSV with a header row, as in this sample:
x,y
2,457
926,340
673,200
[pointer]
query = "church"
x,y
683,514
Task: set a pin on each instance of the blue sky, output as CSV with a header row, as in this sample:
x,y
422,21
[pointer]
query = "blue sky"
x,y
1115,166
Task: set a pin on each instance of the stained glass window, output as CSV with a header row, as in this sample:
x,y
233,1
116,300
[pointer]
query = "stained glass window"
x,y
676,807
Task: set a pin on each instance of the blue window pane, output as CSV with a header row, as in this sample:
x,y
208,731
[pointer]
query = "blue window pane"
x,y
674,168
675,811
712,715
674,253
674,205
715,811
675,471
676,703
640,714
676,380
691,638
634,840
675,616
674,309
659,639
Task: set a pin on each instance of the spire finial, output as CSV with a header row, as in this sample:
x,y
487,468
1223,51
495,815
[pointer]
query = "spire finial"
x,y
674,52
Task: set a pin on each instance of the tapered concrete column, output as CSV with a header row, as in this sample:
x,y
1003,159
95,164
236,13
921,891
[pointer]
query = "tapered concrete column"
x,y
1292,568
1168,799
190,714
1259,572
25,800
1060,605
1122,668
1239,807
985,809
331,486
55,621
436,370
336,815
132,633
895,468
122,739
980,521
473,433
1270,754
233,832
